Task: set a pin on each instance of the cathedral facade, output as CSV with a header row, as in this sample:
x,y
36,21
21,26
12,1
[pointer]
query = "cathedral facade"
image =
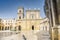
x,y
32,21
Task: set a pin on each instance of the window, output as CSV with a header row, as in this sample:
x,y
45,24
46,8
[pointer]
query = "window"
x,y
32,27
32,16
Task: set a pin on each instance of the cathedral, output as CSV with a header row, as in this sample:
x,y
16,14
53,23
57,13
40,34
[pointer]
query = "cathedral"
x,y
28,25
30,21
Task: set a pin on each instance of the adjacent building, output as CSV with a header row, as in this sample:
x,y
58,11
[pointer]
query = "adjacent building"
x,y
52,11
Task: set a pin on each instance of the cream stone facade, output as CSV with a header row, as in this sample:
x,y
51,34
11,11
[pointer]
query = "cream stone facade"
x,y
32,21
29,25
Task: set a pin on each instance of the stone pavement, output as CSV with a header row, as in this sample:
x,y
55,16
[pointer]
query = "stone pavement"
x,y
27,35
43,35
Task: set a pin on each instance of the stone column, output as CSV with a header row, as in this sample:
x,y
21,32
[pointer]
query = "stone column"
x,y
52,33
55,33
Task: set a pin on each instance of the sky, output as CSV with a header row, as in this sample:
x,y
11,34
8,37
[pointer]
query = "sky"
x,y
8,8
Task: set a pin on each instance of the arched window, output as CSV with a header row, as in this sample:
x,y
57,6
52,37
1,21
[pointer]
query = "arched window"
x,y
20,11
6,28
19,17
19,28
32,16
32,27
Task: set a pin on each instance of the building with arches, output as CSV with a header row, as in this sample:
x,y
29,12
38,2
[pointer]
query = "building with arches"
x,y
31,21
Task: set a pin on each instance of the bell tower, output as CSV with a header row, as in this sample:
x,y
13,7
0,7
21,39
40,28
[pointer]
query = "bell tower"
x,y
20,13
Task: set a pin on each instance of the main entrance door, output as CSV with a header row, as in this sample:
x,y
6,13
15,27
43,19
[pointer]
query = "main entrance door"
x,y
19,28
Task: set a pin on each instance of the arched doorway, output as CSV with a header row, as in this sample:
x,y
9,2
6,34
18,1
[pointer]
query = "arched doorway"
x,y
19,28
6,28
32,27
15,28
0,27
